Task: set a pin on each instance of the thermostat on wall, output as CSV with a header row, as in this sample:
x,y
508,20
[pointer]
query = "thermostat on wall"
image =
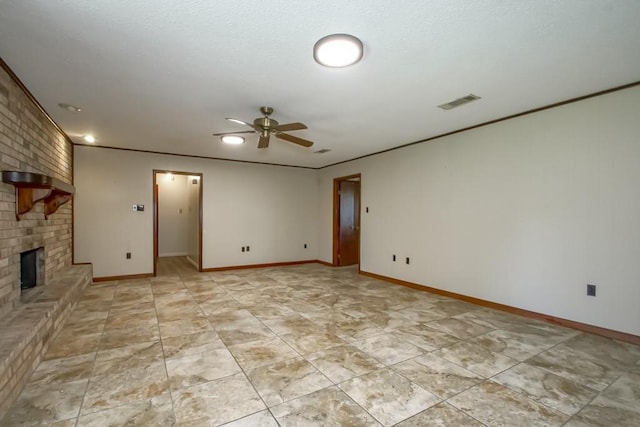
x,y
138,207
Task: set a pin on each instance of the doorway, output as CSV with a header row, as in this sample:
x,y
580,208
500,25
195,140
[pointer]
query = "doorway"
x,y
346,220
177,217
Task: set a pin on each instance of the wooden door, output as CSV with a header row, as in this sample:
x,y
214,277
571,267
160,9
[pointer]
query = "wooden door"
x,y
349,232
156,206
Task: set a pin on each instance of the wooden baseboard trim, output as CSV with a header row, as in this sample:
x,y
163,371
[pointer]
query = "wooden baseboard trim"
x,y
125,277
328,264
584,327
273,264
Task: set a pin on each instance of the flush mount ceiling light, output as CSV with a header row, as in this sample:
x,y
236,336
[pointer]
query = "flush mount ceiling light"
x,y
90,139
232,139
337,50
70,108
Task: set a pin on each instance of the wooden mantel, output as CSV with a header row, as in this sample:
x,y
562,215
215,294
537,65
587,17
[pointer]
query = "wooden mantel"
x,y
33,187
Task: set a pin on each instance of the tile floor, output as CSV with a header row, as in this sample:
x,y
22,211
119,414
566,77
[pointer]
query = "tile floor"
x,y
311,345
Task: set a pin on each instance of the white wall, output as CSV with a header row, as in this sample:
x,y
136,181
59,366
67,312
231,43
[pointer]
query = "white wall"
x,y
271,209
173,215
524,212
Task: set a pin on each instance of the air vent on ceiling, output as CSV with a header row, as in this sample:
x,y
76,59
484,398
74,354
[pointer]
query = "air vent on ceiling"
x,y
458,102
322,151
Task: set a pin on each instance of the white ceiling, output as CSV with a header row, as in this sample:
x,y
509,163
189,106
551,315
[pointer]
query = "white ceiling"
x,y
162,75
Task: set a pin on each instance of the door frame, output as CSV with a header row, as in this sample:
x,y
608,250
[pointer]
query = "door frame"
x,y
336,216
156,210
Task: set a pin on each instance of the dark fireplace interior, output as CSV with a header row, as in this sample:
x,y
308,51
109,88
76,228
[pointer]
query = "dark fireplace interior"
x,y
31,266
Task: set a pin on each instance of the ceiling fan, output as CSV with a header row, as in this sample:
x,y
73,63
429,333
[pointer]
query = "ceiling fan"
x,y
267,126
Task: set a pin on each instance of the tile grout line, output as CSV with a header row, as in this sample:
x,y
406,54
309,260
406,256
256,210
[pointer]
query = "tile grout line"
x,y
242,370
164,358
95,358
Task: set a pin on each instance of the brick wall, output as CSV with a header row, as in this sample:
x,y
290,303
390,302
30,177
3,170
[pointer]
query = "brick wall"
x,y
31,143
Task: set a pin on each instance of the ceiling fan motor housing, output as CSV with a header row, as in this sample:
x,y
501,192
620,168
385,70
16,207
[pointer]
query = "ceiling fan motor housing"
x,y
265,123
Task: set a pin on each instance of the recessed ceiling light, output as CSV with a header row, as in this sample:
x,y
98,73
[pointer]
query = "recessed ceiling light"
x,y
232,139
70,108
90,139
337,50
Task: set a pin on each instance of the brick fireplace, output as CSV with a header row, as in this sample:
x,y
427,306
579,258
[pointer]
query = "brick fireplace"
x,y
30,142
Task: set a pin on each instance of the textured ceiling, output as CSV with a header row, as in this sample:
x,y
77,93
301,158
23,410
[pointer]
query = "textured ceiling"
x,y
162,75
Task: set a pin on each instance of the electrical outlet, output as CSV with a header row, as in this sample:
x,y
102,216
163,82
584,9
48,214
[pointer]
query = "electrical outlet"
x,y
248,248
394,258
305,246
366,209
128,255
591,290
407,260
243,249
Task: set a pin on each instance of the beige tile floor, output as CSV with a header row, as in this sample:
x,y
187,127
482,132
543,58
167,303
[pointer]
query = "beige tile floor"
x,y
311,345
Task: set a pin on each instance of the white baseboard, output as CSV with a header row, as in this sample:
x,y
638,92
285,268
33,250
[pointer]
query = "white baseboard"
x,y
195,264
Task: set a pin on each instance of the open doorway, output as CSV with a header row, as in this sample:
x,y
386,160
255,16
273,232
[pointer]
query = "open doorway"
x,y
346,220
177,218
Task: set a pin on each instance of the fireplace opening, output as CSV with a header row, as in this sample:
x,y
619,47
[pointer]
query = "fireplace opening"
x,y
31,268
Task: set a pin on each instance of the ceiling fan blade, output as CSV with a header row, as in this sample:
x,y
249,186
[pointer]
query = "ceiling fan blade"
x,y
264,141
233,133
290,126
294,139
240,122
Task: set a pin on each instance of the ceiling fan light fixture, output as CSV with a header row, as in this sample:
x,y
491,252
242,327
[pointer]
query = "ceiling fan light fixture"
x,y
338,50
232,139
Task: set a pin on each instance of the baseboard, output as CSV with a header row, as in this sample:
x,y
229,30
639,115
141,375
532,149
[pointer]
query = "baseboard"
x,y
125,277
195,264
273,264
171,254
584,327
328,264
